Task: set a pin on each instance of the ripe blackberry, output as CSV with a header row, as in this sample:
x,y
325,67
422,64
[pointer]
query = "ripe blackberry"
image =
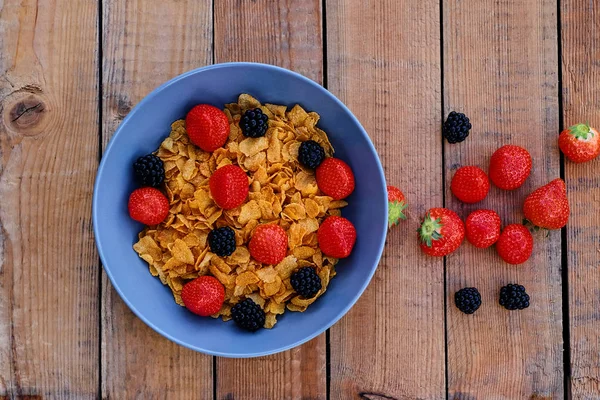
x,y
248,315
456,128
514,297
149,170
467,300
311,154
254,123
222,241
306,282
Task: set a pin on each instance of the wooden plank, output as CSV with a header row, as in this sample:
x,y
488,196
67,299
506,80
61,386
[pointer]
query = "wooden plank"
x,y
285,33
383,61
145,44
501,69
581,102
48,142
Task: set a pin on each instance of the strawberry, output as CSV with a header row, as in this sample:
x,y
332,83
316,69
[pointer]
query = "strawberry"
x,y
441,232
269,244
548,206
336,237
203,296
509,167
483,228
580,143
229,186
396,205
207,127
335,178
515,244
470,184
148,205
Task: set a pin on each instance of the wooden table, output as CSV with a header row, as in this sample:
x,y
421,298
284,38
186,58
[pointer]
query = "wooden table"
x,y
521,69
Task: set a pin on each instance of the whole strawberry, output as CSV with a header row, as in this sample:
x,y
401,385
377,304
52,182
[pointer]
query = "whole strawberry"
x,y
509,167
579,143
483,228
148,205
207,127
269,244
203,296
515,244
335,178
229,186
470,184
396,205
336,237
548,206
441,232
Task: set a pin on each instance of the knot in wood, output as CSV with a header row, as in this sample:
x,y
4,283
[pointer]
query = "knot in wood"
x,y
26,115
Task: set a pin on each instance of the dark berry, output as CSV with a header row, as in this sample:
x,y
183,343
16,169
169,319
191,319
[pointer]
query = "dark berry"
x,y
222,241
311,154
306,282
254,123
149,170
514,297
467,300
248,315
456,128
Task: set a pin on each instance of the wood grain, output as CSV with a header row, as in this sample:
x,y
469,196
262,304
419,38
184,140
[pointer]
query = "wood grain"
x,y
501,69
48,143
581,103
383,61
285,33
144,45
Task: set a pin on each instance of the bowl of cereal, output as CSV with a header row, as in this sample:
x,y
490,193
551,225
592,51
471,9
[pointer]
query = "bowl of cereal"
x,y
262,255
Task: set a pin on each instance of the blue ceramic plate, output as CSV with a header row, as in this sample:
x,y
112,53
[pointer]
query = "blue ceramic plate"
x,y
142,132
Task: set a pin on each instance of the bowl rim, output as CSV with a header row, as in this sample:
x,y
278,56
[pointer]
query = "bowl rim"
x,y
95,210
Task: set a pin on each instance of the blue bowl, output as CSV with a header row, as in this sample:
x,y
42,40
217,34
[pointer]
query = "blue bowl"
x,y
142,132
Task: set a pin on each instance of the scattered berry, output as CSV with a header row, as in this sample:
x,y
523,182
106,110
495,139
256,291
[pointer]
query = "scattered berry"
x,y
254,123
509,167
335,178
579,143
515,244
548,206
229,186
456,128
441,232
149,170
483,228
148,206
203,296
222,241
311,154
514,297
470,184
207,127
396,205
269,244
467,300
336,237
248,315
306,282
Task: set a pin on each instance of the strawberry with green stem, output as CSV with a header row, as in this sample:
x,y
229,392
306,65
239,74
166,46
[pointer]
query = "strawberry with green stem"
x,y
441,232
579,143
396,205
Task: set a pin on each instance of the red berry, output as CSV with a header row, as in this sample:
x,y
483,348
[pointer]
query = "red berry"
x,y
269,244
483,228
470,184
148,205
515,244
580,143
207,127
441,232
336,237
229,186
335,178
509,167
203,296
396,205
548,206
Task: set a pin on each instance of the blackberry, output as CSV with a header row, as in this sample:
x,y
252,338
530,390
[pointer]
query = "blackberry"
x,y
306,282
514,297
311,154
149,170
467,300
222,241
456,128
248,315
254,123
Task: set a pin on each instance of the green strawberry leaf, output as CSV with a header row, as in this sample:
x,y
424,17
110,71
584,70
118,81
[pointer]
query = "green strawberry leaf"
x,y
395,212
